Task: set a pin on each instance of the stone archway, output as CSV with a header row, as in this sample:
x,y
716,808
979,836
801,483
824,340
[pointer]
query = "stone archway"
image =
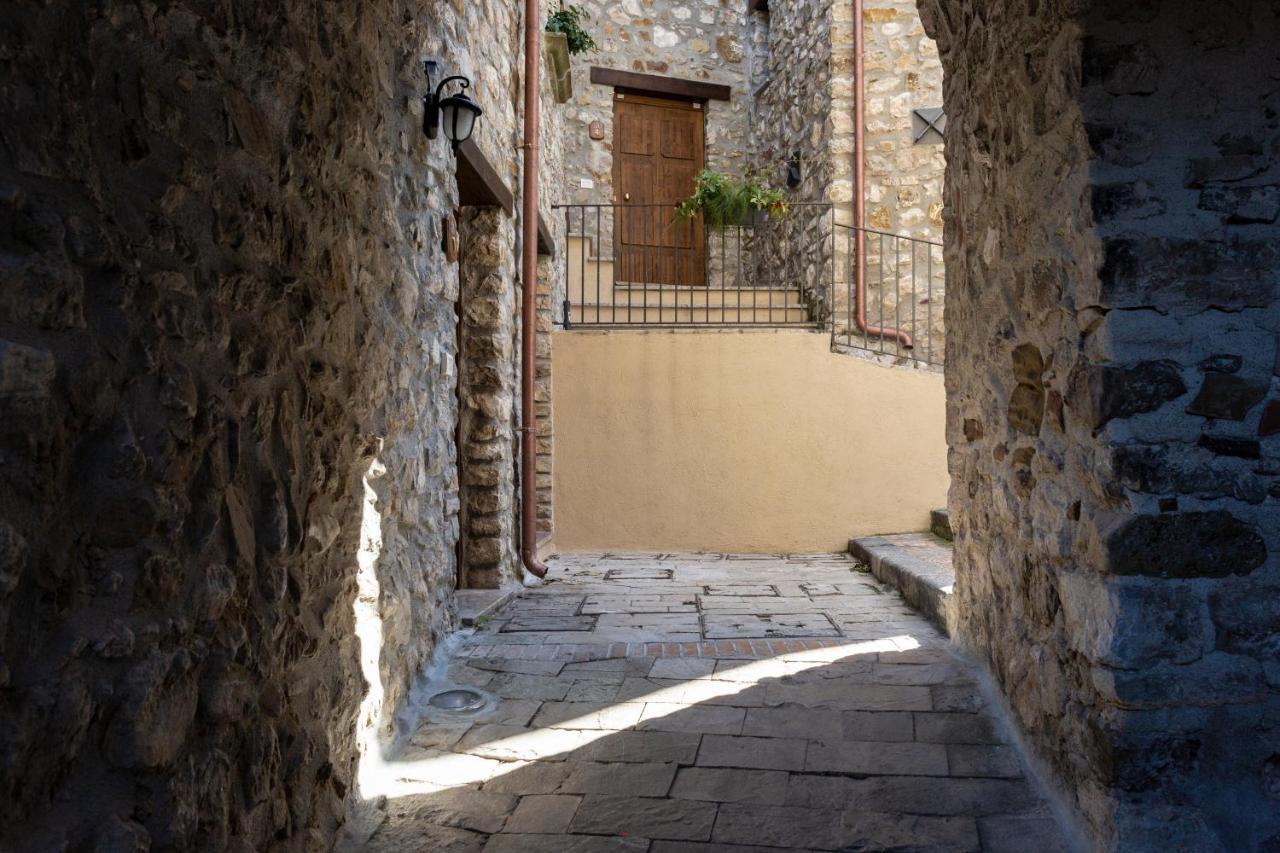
x,y
1112,312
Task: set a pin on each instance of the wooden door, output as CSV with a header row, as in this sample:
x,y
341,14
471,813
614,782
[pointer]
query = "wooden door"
x,y
658,150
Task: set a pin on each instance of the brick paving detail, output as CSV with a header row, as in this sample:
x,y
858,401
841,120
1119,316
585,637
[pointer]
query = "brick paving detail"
x,y
713,703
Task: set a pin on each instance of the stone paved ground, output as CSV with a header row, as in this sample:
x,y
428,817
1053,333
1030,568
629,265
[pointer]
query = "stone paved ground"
x,y
712,704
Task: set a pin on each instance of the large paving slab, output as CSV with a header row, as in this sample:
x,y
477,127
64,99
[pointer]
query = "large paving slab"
x,y
676,703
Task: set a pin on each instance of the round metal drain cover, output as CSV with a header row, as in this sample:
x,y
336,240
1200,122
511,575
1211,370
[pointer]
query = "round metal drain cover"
x,y
457,700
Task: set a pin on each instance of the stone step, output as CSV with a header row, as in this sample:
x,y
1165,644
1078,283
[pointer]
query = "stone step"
x,y
940,524
595,273
602,290
580,245
918,565
474,604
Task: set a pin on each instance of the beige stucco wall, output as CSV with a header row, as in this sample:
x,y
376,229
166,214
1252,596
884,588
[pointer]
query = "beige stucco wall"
x,y
743,441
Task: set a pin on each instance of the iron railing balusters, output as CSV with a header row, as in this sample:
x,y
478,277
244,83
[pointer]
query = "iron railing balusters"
x,y
929,305
897,290
582,263
740,280
644,269
599,261
567,304
914,328
662,257
916,342
880,291
722,274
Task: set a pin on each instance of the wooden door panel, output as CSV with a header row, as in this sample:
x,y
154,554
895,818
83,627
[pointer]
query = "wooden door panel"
x,y
634,134
677,138
637,173
680,175
659,150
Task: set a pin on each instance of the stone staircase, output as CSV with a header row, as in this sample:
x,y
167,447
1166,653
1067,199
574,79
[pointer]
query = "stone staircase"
x,y
918,565
596,298
940,524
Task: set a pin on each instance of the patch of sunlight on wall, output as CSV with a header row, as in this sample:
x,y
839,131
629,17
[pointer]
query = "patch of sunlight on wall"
x,y
368,620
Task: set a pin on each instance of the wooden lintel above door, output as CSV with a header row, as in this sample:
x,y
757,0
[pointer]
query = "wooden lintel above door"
x,y
479,184
546,243
656,84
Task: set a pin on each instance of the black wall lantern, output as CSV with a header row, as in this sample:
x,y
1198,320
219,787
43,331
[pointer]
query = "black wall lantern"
x,y
457,113
793,170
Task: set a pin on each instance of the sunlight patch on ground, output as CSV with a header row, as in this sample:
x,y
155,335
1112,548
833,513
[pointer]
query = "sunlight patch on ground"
x,y
444,770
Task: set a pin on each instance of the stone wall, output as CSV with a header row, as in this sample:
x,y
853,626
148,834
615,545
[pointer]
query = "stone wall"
x,y
1113,400
903,73
550,290
795,114
488,388
906,281
702,40
490,396
550,295
806,108
491,300
227,383
791,73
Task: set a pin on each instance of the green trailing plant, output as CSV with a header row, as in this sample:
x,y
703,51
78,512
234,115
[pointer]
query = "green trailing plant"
x,y
723,200
569,20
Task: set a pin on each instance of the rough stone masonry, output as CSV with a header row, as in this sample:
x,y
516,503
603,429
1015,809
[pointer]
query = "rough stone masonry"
x,y
1114,399
227,379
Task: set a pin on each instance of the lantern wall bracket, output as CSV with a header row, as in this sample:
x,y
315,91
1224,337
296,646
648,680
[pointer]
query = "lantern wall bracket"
x,y
431,102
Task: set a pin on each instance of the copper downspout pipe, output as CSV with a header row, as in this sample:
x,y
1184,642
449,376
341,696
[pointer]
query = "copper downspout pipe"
x,y
529,293
860,190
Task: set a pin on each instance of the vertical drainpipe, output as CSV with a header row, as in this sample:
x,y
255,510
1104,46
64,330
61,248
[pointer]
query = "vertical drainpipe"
x,y
460,547
529,293
860,190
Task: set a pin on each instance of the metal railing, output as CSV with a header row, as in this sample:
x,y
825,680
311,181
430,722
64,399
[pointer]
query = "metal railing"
x,y
629,265
898,309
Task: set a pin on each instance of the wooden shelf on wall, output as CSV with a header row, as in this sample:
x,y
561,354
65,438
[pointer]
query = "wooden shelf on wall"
x,y
546,243
479,185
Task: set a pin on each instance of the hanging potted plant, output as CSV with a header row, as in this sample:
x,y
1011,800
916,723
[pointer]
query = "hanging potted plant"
x,y
565,37
567,21
724,200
